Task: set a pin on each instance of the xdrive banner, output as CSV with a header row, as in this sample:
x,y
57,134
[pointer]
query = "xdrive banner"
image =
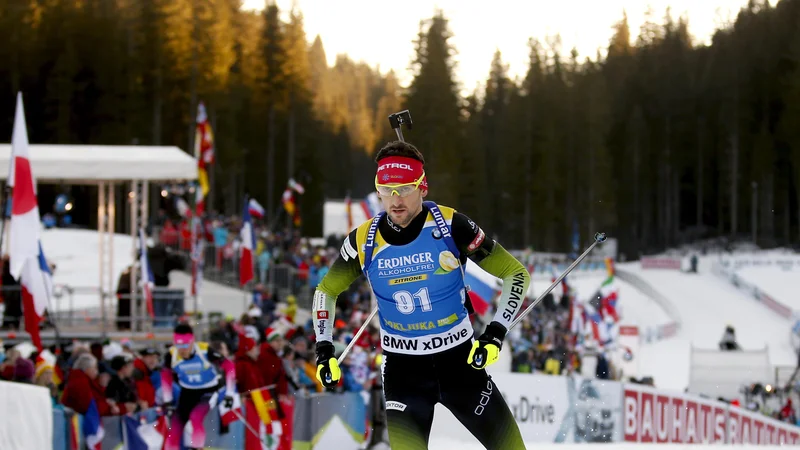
x,y
550,409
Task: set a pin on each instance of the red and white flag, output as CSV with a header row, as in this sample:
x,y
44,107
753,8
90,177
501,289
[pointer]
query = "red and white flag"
x,y
255,208
297,187
26,258
246,272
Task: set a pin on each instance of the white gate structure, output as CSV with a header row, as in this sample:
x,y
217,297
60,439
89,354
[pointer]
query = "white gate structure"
x,y
718,373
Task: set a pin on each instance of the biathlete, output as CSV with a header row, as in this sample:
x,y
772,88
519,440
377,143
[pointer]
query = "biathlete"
x,y
413,256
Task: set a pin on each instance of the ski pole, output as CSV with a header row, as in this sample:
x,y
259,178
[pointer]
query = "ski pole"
x,y
598,239
246,425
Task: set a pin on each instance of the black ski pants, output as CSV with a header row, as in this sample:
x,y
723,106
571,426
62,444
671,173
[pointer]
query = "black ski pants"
x,y
413,384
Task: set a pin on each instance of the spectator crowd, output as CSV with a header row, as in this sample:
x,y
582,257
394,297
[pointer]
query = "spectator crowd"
x,y
269,344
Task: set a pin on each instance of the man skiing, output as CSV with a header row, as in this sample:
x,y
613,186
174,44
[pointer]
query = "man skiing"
x,y
198,377
413,256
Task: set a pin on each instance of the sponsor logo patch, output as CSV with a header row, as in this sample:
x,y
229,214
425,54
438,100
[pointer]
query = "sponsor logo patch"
x,y
447,320
397,406
322,314
395,166
408,279
477,241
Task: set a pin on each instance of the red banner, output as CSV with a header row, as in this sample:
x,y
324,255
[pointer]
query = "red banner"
x,y
656,417
661,263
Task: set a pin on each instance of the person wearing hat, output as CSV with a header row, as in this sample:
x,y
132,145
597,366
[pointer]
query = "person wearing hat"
x,y
248,375
43,377
270,362
192,365
121,389
23,370
414,254
144,372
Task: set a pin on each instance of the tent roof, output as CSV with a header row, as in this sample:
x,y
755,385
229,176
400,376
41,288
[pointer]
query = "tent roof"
x,y
89,164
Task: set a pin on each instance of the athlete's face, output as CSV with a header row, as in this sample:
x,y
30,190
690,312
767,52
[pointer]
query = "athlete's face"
x,y
403,209
185,353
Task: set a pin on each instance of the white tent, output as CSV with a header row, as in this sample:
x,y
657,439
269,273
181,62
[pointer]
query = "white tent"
x,y
107,166
89,164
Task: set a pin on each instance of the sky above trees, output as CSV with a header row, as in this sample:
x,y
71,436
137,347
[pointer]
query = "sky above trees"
x,y
381,33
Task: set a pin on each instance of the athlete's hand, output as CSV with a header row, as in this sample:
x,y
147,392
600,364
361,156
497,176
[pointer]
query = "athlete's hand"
x,y
328,372
486,350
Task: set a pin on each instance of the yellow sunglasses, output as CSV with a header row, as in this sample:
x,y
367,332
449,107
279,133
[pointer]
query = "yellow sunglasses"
x,y
402,190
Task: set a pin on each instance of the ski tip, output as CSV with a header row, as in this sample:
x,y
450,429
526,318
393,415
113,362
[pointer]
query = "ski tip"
x,y
600,237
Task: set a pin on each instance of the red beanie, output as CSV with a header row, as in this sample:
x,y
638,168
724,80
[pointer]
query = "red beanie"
x,y
246,344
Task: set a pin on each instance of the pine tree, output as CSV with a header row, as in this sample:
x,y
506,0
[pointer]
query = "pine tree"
x,y
434,104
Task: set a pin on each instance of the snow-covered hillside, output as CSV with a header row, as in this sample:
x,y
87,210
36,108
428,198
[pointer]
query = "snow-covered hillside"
x,y
706,305
75,253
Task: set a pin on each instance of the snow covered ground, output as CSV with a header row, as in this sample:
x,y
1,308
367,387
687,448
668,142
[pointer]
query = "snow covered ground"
x,y
635,308
707,304
781,283
75,253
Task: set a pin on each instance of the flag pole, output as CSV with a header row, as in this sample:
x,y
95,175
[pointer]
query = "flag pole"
x,y
51,319
6,193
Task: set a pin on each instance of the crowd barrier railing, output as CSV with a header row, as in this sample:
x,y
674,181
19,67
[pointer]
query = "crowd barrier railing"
x,y
341,416
548,409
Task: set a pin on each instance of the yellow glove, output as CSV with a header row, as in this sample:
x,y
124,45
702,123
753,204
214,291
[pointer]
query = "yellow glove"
x,y
328,371
486,350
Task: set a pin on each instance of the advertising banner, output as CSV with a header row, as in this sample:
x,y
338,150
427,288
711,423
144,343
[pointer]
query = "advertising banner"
x,y
652,416
550,409
661,263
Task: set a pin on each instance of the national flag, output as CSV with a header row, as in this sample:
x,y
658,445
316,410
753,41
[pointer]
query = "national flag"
x,y
290,206
75,434
248,237
481,293
255,208
25,219
610,269
182,207
596,325
93,431
267,411
295,186
266,407
143,435
609,292
231,414
37,289
348,210
164,392
27,262
146,282
204,152
371,205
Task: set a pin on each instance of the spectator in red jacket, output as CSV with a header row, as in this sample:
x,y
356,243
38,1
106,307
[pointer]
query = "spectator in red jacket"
x,y
787,412
82,386
248,375
143,368
270,363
